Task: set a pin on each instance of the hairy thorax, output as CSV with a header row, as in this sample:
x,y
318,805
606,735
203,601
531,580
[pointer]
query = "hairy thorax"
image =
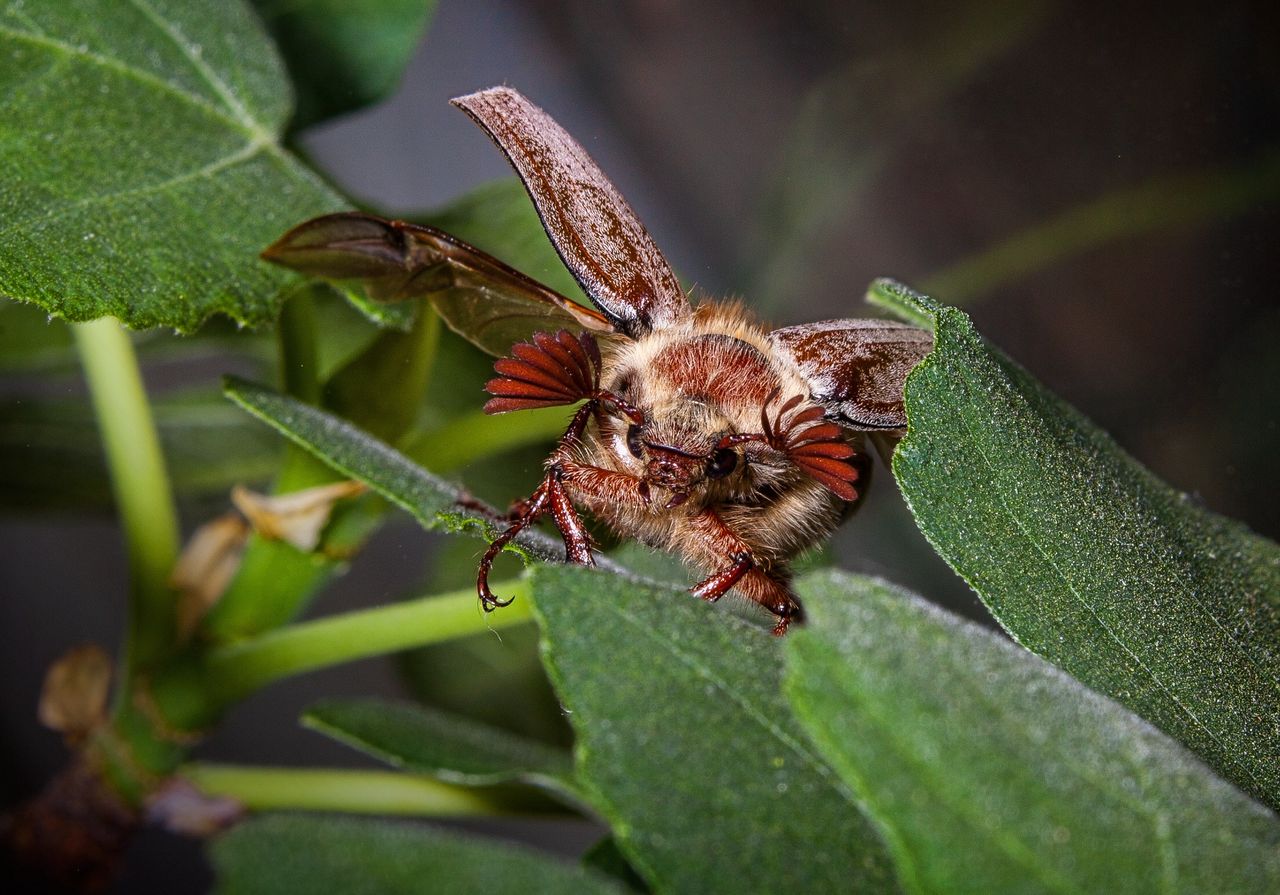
x,y
710,376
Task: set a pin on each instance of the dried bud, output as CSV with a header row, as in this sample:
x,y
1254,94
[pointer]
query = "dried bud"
x,y
296,518
205,568
73,700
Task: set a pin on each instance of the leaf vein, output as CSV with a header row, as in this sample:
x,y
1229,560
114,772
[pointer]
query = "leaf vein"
x,y
248,151
138,74
219,86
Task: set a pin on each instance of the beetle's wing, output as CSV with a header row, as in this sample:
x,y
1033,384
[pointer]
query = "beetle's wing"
x,y
598,236
856,368
487,302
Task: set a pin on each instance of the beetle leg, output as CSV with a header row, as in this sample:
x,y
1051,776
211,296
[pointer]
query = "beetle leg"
x,y
549,497
718,584
768,587
577,543
531,509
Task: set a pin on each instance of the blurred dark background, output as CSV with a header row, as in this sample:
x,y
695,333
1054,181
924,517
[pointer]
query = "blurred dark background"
x,y
1099,187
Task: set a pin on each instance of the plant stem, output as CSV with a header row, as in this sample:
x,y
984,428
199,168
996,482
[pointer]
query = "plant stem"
x,y
350,791
139,481
296,335
236,670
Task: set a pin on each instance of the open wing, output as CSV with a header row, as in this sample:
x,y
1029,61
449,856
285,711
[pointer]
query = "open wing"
x,y
857,368
598,236
483,300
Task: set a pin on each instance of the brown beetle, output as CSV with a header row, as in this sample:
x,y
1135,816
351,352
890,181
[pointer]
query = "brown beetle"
x,y
700,431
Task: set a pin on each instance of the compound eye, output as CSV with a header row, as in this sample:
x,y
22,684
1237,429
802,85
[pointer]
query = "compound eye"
x,y
633,441
723,462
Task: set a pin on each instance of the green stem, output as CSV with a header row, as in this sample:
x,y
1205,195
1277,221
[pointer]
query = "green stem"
x,y
350,791
140,483
236,670
296,334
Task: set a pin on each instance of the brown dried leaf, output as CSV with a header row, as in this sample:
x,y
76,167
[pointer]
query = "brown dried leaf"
x,y
296,518
205,568
73,700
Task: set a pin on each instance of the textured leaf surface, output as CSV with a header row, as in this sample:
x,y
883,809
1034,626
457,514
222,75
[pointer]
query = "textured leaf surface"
x,y
450,747
143,172
343,54
992,771
1089,560
687,745
280,855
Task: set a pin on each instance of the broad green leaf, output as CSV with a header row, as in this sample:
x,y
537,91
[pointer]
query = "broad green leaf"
x,y
991,771
1089,560
344,54
51,450
450,747
688,748
143,170
429,499
280,855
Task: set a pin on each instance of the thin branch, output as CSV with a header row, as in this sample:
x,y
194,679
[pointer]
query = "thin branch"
x,y
340,789
238,669
139,480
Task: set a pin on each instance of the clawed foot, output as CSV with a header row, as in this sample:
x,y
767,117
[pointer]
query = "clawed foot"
x,y
788,613
550,497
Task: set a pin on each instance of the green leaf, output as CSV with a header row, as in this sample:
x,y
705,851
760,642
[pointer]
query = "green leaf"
x,y
688,748
143,171
450,747
279,855
991,771
1089,560
343,54
431,500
